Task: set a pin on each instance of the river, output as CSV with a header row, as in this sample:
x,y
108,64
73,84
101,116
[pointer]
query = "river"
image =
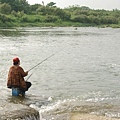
x,y
84,76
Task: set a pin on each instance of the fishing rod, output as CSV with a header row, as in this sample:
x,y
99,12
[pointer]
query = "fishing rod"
x,y
43,60
28,77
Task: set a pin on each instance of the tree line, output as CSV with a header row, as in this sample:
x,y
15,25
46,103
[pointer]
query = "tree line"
x,y
17,12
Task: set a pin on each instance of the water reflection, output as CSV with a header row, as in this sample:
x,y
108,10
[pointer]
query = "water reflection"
x,y
9,33
29,99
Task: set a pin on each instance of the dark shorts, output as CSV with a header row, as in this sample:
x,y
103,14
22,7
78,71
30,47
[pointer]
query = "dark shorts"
x,y
28,85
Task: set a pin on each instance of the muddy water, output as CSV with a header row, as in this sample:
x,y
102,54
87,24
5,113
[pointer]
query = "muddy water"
x,y
83,77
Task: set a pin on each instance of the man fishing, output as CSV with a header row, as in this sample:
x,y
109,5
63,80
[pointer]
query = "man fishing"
x,y
16,80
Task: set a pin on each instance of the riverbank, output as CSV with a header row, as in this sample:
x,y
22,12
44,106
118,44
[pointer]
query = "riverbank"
x,y
54,24
78,116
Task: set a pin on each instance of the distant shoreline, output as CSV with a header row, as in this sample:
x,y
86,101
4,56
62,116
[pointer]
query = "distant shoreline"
x,y
63,24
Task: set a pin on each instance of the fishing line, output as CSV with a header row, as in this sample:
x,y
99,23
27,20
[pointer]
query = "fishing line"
x,y
41,63
29,77
43,60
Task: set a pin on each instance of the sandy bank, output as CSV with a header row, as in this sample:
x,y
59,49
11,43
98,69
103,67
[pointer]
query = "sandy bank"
x,y
77,116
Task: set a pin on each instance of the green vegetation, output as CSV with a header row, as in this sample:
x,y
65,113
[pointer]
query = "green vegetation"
x,y
15,13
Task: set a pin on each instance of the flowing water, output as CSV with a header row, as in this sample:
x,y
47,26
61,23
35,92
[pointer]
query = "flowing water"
x,y
84,76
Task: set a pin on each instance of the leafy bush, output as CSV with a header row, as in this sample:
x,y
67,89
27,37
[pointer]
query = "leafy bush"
x,y
5,8
50,18
4,18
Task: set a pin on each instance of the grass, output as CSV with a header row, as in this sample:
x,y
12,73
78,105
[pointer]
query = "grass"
x,y
55,24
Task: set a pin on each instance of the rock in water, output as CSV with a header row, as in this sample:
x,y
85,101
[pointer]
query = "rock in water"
x,y
10,111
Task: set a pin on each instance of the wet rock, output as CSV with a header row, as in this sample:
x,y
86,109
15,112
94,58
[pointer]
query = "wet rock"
x,y
11,111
